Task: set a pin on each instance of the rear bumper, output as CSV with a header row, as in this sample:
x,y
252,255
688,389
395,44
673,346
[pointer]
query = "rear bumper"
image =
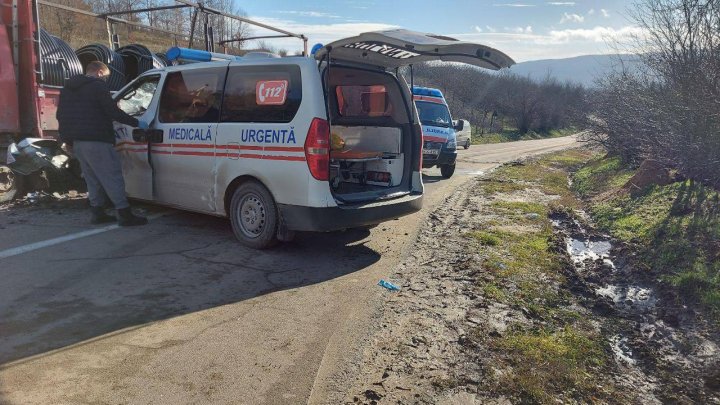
x,y
446,157
323,219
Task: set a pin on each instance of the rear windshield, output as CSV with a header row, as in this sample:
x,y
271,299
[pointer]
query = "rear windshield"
x,y
363,101
364,96
433,114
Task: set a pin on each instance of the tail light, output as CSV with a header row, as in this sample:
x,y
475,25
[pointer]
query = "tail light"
x,y
317,149
418,128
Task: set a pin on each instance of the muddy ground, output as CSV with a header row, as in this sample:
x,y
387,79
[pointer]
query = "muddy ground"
x,y
443,337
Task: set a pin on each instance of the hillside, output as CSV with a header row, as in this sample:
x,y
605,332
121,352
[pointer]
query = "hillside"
x,y
581,70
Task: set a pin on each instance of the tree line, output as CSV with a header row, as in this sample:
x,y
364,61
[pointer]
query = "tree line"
x,y
668,110
490,100
78,30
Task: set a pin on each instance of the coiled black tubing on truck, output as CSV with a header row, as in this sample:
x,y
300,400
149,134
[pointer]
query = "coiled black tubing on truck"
x,y
58,60
138,59
163,58
113,60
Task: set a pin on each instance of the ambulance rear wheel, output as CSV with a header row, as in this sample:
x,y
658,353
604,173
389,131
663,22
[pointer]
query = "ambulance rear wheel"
x,y
447,170
253,214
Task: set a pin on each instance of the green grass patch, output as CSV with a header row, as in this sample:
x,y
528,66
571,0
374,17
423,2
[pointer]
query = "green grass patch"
x,y
554,353
512,134
500,186
493,291
601,175
485,238
675,227
552,361
520,207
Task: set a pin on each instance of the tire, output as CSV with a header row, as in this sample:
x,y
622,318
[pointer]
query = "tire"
x,y
447,170
467,144
254,216
11,184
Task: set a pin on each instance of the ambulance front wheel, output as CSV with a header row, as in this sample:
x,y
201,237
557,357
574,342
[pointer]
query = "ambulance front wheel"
x,y
253,214
447,170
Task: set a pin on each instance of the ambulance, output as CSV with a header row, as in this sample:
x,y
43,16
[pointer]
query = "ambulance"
x,y
439,141
280,145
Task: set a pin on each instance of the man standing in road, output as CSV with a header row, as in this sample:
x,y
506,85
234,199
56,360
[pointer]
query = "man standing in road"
x,y
85,114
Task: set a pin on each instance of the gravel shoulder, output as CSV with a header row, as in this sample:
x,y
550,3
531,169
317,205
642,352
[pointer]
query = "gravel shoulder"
x,y
509,296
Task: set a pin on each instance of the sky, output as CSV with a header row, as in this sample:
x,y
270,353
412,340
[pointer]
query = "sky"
x,y
525,30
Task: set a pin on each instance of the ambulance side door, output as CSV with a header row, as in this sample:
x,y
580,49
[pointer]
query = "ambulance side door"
x,y
188,115
139,100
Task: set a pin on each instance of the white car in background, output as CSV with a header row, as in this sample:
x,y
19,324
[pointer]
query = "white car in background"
x,y
464,135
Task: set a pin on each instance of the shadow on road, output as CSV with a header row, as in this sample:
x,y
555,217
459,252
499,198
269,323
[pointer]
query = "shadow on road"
x,y
178,265
428,179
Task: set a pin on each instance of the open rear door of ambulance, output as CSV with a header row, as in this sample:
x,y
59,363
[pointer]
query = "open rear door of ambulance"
x,y
396,48
377,141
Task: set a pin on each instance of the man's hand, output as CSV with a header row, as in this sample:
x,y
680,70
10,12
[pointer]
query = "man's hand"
x,y
143,125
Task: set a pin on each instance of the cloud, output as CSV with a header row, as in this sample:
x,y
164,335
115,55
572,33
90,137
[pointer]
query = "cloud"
x,y
605,13
561,3
521,30
556,43
591,12
513,5
478,29
597,34
491,29
571,18
316,33
318,14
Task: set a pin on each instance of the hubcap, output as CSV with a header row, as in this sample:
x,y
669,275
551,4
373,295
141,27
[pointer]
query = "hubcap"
x,y
251,216
7,179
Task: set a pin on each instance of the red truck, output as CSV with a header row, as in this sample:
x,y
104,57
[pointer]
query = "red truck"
x,y
30,156
28,107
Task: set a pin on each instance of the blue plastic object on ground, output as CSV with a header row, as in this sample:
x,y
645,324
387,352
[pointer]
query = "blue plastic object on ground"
x,y
390,286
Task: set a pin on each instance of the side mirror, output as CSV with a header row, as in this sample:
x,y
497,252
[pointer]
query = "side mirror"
x,y
459,125
147,135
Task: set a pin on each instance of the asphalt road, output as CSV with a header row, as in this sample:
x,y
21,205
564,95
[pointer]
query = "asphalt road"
x,y
178,312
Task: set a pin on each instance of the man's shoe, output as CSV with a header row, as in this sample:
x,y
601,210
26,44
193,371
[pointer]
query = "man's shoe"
x,y
127,218
98,216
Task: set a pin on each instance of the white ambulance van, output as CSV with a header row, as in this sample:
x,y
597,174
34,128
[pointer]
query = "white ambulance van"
x,y
279,145
440,142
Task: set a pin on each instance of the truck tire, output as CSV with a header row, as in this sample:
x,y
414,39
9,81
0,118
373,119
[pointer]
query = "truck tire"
x,y
11,184
467,144
447,170
254,216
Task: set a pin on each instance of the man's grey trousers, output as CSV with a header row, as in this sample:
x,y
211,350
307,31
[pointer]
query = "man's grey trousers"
x,y
102,170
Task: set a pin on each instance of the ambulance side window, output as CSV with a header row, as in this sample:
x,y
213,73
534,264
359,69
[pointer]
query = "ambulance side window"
x,y
136,99
192,96
262,94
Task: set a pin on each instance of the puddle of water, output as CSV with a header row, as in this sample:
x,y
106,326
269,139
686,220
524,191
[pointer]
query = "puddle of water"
x,y
582,250
629,295
621,349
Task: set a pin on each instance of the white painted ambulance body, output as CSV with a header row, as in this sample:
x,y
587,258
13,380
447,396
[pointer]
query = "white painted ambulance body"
x,y
279,144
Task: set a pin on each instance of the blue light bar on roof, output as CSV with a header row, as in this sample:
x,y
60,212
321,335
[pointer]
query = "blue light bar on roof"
x,y
426,91
195,55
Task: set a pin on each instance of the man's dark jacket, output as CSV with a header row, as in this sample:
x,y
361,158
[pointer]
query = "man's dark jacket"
x,y
86,111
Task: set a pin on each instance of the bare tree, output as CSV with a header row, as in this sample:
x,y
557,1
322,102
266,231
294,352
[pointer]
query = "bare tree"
x,y
668,110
